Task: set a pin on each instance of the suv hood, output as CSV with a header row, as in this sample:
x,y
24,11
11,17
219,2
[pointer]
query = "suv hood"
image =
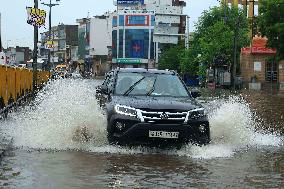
x,y
157,103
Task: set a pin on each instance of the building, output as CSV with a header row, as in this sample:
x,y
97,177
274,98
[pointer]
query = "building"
x,y
83,38
132,38
63,44
170,22
17,56
259,69
95,40
140,27
100,42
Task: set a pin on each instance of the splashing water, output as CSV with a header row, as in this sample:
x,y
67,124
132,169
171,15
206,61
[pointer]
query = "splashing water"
x,y
60,111
65,116
232,129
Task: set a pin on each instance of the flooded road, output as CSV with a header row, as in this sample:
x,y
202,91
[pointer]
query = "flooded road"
x,y
50,152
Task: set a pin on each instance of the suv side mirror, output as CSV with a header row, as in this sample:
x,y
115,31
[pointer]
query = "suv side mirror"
x,y
195,93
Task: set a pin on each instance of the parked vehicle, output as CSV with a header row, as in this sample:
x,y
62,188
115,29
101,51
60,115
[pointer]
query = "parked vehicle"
x,y
61,71
151,107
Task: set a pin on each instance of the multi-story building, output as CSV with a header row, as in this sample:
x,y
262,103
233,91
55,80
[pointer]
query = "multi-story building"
x,y
132,36
100,42
95,39
140,27
63,44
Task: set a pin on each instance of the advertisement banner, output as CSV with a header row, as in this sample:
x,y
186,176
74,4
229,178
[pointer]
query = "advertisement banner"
x,y
36,17
51,44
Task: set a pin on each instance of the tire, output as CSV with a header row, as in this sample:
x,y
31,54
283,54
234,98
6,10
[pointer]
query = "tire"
x,y
110,132
204,141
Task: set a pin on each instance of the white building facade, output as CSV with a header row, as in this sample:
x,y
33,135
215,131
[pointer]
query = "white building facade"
x,y
100,34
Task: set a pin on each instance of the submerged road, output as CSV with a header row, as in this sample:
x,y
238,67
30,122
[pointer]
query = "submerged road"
x,y
49,152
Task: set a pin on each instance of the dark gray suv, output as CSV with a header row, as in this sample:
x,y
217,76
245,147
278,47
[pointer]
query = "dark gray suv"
x,y
152,107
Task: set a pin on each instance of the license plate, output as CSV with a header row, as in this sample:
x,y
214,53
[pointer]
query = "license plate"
x,y
163,134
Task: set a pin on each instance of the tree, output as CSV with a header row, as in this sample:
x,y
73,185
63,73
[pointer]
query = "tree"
x,y
271,24
214,38
169,58
188,63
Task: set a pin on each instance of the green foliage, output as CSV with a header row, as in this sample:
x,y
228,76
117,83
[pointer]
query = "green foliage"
x,y
188,63
169,58
214,37
213,40
271,24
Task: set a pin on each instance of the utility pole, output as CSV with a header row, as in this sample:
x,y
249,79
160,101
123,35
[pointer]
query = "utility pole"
x,y
50,5
236,36
187,33
34,64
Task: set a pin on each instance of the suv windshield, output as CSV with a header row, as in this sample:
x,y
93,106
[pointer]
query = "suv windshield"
x,y
145,84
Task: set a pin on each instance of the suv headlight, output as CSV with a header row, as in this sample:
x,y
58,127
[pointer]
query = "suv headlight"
x,y
125,110
197,113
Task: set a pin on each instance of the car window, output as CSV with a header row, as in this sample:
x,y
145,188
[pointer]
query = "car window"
x,y
150,84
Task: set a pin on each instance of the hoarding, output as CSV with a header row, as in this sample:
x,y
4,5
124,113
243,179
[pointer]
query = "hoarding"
x,y
51,44
130,2
36,17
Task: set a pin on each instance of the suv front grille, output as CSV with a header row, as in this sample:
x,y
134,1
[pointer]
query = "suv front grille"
x,y
165,116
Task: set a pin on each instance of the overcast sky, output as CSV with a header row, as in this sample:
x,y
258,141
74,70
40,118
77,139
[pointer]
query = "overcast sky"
x,y
15,30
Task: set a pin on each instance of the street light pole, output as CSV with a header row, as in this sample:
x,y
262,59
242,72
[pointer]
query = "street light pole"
x,y
34,64
50,5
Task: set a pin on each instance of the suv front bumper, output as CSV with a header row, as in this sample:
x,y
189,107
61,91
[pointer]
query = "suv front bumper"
x,y
131,131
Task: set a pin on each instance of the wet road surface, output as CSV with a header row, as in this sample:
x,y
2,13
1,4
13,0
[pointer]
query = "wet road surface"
x,y
48,152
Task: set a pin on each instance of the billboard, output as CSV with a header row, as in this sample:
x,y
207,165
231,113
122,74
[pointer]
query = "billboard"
x,y
130,2
36,17
51,44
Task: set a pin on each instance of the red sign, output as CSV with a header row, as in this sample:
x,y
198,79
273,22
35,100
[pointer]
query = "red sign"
x,y
258,50
136,47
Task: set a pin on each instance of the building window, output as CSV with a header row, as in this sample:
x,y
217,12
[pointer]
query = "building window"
x,y
152,20
121,20
61,34
114,21
137,20
62,44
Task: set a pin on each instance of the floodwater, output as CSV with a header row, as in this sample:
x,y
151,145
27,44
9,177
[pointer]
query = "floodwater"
x,y
50,152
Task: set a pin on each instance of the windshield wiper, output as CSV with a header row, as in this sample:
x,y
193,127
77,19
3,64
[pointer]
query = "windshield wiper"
x,y
131,88
152,89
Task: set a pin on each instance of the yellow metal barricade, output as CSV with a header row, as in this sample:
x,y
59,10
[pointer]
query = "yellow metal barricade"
x,y
3,84
16,82
11,81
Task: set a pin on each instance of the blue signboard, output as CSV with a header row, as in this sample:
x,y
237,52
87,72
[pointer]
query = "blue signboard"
x,y
130,2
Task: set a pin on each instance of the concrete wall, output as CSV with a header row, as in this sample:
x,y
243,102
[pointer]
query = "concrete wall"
x,y
247,67
100,35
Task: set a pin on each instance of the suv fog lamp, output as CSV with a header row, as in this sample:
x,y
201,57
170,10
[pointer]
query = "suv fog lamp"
x,y
120,126
202,128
